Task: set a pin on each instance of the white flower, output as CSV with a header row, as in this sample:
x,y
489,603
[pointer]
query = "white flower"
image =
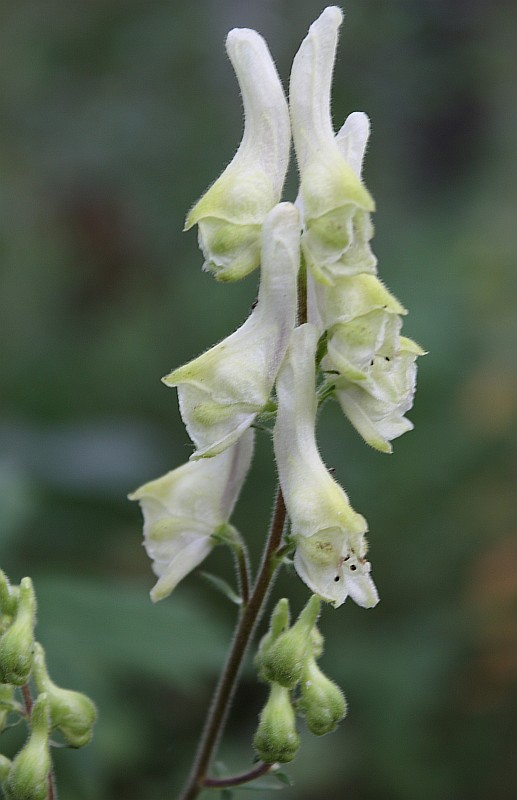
x,y
349,298
376,405
372,366
330,566
183,508
335,202
329,534
222,391
231,213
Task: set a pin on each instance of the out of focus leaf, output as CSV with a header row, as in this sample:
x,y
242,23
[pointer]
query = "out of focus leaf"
x,y
222,586
112,629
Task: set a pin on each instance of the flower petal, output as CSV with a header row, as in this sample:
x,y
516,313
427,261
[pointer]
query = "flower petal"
x,y
183,508
330,568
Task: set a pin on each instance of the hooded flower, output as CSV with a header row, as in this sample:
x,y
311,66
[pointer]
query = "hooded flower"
x,y
336,204
372,366
185,507
329,534
376,405
222,391
231,213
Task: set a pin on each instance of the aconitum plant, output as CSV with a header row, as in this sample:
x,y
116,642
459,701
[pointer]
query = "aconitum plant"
x,y
324,327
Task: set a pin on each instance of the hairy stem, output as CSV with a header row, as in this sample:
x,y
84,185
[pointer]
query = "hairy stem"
x,y
223,695
243,572
237,780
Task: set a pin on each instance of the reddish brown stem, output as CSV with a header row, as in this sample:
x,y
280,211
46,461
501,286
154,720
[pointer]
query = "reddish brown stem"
x,y
238,780
223,695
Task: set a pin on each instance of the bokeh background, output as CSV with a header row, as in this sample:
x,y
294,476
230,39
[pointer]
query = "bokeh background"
x,y
115,116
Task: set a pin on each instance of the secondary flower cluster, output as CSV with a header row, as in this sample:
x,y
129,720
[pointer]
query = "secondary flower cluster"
x,y
69,714
269,364
287,661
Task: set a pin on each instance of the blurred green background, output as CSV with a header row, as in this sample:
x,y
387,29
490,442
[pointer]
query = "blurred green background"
x,y
116,115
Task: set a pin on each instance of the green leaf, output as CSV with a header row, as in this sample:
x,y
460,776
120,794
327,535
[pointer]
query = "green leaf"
x,y
222,586
321,350
283,777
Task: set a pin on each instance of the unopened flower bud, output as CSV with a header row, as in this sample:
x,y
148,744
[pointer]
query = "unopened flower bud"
x,y
28,776
284,661
7,703
71,713
17,643
322,701
280,619
8,602
317,642
5,766
276,738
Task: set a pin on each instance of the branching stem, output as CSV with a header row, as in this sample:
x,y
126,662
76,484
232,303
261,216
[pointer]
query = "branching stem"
x,y
223,695
237,780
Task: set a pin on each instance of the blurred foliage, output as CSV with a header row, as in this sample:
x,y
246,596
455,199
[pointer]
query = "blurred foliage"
x,y
115,117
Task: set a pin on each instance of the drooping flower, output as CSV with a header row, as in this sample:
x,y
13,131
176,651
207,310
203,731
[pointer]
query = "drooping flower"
x,y
371,365
376,405
184,508
329,534
222,391
336,204
230,214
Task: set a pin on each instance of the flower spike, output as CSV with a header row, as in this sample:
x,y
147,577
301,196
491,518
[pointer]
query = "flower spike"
x,y
185,507
329,534
222,391
230,214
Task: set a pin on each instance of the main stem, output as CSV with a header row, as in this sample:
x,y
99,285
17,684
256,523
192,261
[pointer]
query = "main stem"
x,y
220,706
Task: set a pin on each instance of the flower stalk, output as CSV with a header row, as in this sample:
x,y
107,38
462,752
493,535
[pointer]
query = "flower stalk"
x,y
223,694
324,327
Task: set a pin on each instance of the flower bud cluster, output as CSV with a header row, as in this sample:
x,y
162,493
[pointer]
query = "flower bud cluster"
x,y
69,714
287,660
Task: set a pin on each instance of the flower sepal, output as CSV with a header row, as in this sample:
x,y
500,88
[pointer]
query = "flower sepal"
x,y
231,213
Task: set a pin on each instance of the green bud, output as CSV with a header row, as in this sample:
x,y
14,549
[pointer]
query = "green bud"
x,y
322,701
276,738
17,643
280,619
71,713
28,776
5,766
317,642
8,602
285,659
7,703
